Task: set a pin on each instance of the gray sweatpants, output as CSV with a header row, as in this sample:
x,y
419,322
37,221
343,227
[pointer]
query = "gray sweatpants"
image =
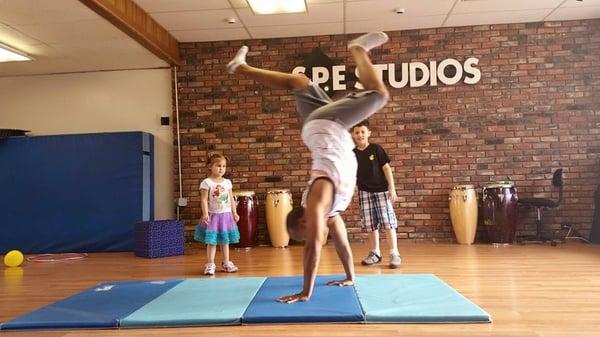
x,y
313,103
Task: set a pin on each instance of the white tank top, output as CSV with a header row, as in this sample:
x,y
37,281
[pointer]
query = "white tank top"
x,y
332,157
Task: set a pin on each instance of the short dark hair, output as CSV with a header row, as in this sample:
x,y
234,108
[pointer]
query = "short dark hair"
x,y
293,216
364,123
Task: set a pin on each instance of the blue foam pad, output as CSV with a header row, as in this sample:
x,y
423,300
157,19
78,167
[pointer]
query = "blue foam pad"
x,y
417,298
99,307
219,301
327,304
75,193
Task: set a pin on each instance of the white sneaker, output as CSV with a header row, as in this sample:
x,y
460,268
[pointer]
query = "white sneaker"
x,y
209,269
395,260
238,60
369,41
229,267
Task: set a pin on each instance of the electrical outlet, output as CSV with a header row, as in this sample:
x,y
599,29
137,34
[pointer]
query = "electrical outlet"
x,y
182,202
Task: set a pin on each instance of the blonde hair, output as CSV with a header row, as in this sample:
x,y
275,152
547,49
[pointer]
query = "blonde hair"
x,y
214,157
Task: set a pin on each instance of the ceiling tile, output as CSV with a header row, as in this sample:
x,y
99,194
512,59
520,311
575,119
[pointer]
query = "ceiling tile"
x,y
195,20
66,36
317,13
486,18
92,30
125,60
296,30
210,35
244,3
395,23
477,6
15,38
575,13
239,3
576,3
101,46
25,12
365,10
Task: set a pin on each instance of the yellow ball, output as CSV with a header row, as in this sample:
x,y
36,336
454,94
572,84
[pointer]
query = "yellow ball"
x,y
14,258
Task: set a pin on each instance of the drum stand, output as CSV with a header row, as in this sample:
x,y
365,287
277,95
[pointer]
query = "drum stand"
x,y
573,234
537,238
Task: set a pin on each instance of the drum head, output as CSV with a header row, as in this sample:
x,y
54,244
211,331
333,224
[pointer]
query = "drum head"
x,y
463,187
502,182
277,190
243,193
497,185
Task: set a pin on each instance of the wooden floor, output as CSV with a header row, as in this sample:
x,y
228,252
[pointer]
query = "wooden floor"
x,y
529,290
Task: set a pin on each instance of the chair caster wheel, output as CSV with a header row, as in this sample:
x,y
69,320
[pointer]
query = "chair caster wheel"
x,y
553,243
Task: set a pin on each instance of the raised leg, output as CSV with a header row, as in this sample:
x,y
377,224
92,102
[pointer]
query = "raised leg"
x,y
359,49
273,79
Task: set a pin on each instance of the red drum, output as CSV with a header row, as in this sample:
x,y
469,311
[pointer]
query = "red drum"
x,y
247,209
500,212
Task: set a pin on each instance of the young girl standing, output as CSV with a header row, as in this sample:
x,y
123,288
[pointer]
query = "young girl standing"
x,y
219,216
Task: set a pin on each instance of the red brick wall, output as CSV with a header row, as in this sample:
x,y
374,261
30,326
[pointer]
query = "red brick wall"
x,y
536,108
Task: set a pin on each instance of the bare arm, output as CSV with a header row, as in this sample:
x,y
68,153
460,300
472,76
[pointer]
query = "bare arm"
x,y
204,205
318,204
233,206
389,176
337,228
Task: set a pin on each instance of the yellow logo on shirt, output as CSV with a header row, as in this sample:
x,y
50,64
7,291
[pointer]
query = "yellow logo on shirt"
x,y
372,157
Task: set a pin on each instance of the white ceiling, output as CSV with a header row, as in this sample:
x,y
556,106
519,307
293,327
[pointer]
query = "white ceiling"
x,y
206,20
66,36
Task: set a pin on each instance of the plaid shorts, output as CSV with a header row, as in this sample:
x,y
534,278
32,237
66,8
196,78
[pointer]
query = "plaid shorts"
x,y
376,211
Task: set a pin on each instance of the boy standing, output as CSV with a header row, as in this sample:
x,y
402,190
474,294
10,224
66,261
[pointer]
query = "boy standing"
x,y
377,194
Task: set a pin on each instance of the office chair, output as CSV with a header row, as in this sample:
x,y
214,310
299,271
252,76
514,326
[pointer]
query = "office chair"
x,y
543,203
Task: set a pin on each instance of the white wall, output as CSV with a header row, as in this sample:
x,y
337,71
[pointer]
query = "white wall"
x,y
131,100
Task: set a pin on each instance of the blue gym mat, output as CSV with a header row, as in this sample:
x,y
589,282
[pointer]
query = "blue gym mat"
x,y
198,302
416,298
327,304
98,307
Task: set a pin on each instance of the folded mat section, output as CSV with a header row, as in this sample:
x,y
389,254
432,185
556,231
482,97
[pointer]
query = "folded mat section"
x,y
416,298
327,304
98,307
215,301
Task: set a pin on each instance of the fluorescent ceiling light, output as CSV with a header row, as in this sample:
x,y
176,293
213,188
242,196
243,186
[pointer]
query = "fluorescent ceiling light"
x,y
8,54
277,6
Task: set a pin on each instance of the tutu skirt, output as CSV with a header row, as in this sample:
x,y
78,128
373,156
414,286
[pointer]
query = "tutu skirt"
x,y
221,229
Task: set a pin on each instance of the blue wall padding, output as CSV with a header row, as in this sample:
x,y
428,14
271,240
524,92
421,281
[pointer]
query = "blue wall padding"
x,y
198,302
418,298
74,193
100,307
327,304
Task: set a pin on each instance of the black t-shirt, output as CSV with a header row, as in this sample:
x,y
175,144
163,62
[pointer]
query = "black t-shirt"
x,y
370,176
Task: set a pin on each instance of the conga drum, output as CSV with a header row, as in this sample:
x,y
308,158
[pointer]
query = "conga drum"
x,y
277,206
463,213
247,209
500,212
